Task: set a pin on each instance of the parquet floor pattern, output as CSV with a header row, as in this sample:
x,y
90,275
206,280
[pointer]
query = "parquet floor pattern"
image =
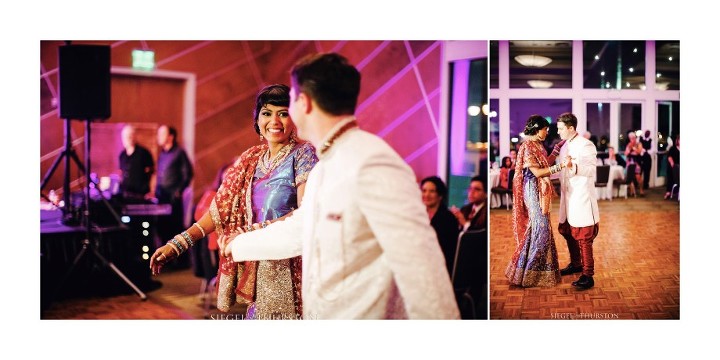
x,y
637,266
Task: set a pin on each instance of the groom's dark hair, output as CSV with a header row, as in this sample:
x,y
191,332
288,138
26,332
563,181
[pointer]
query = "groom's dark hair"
x,y
568,119
330,80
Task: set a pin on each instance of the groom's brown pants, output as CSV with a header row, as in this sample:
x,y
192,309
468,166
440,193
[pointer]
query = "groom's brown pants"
x,y
579,242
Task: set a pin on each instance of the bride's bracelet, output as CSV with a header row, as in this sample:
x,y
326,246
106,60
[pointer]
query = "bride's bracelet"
x,y
555,168
262,225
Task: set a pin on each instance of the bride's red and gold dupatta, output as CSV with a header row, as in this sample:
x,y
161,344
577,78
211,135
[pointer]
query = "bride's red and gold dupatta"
x,y
530,154
231,212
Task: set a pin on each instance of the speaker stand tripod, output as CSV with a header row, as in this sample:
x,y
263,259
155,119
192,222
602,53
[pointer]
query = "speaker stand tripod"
x,y
88,244
68,154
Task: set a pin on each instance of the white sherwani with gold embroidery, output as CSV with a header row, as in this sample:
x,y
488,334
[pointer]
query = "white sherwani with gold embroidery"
x,y
578,199
368,249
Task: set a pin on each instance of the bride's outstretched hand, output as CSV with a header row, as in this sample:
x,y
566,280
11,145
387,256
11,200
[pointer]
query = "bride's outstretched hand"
x,y
162,256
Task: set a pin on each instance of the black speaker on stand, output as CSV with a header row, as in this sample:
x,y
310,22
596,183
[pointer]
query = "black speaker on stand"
x,y
84,82
85,95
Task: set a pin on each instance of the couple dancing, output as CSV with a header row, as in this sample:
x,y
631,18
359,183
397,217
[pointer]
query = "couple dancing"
x,y
535,261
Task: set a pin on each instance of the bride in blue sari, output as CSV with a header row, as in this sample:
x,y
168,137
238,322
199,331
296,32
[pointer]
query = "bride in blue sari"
x,y
535,261
264,184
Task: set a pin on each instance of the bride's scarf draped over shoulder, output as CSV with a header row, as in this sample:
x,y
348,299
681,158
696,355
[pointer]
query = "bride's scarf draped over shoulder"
x,y
231,211
530,154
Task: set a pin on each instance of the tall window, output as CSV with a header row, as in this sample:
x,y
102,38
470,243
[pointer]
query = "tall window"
x,y
614,64
468,148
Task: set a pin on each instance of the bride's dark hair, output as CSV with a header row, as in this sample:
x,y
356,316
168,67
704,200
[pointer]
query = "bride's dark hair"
x,y
534,124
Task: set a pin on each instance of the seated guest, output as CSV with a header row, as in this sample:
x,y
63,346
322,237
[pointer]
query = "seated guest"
x,y
434,196
505,173
614,158
473,216
504,180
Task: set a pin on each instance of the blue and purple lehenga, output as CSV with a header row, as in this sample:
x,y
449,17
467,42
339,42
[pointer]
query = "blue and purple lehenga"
x,y
256,189
535,261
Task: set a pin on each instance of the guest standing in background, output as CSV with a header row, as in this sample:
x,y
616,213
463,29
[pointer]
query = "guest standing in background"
x,y
633,154
672,174
174,173
646,142
137,166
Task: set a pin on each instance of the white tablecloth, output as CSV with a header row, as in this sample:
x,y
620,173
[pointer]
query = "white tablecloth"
x,y
494,180
617,172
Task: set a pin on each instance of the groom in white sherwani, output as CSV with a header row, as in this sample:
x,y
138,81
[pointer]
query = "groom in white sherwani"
x,y
579,215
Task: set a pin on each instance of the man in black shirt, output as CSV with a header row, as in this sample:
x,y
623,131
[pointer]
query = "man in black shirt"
x,y
137,165
173,177
646,163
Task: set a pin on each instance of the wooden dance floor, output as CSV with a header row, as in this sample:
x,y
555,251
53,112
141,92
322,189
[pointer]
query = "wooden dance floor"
x,y
637,266
179,297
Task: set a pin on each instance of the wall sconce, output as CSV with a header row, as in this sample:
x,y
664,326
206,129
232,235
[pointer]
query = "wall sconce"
x,y
533,60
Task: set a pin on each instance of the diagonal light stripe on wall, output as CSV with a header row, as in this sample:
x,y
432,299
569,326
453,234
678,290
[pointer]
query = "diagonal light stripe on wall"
x,y
215,74
253,64
180,54
49,114
210,150
49,84
406,115
421,85
53,153
338,46
291,58
118,43
226,105
379,92
48,73
372,55
421,150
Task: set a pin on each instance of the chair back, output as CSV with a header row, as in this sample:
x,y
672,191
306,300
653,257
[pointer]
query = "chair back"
x,y
511,175
602,175
470,273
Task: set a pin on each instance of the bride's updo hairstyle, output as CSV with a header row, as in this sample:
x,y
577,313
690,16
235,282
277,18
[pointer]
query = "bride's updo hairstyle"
x,y
534,124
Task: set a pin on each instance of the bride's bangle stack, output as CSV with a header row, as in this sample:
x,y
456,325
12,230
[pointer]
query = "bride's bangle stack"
x,y
184,241
262,225
555,168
